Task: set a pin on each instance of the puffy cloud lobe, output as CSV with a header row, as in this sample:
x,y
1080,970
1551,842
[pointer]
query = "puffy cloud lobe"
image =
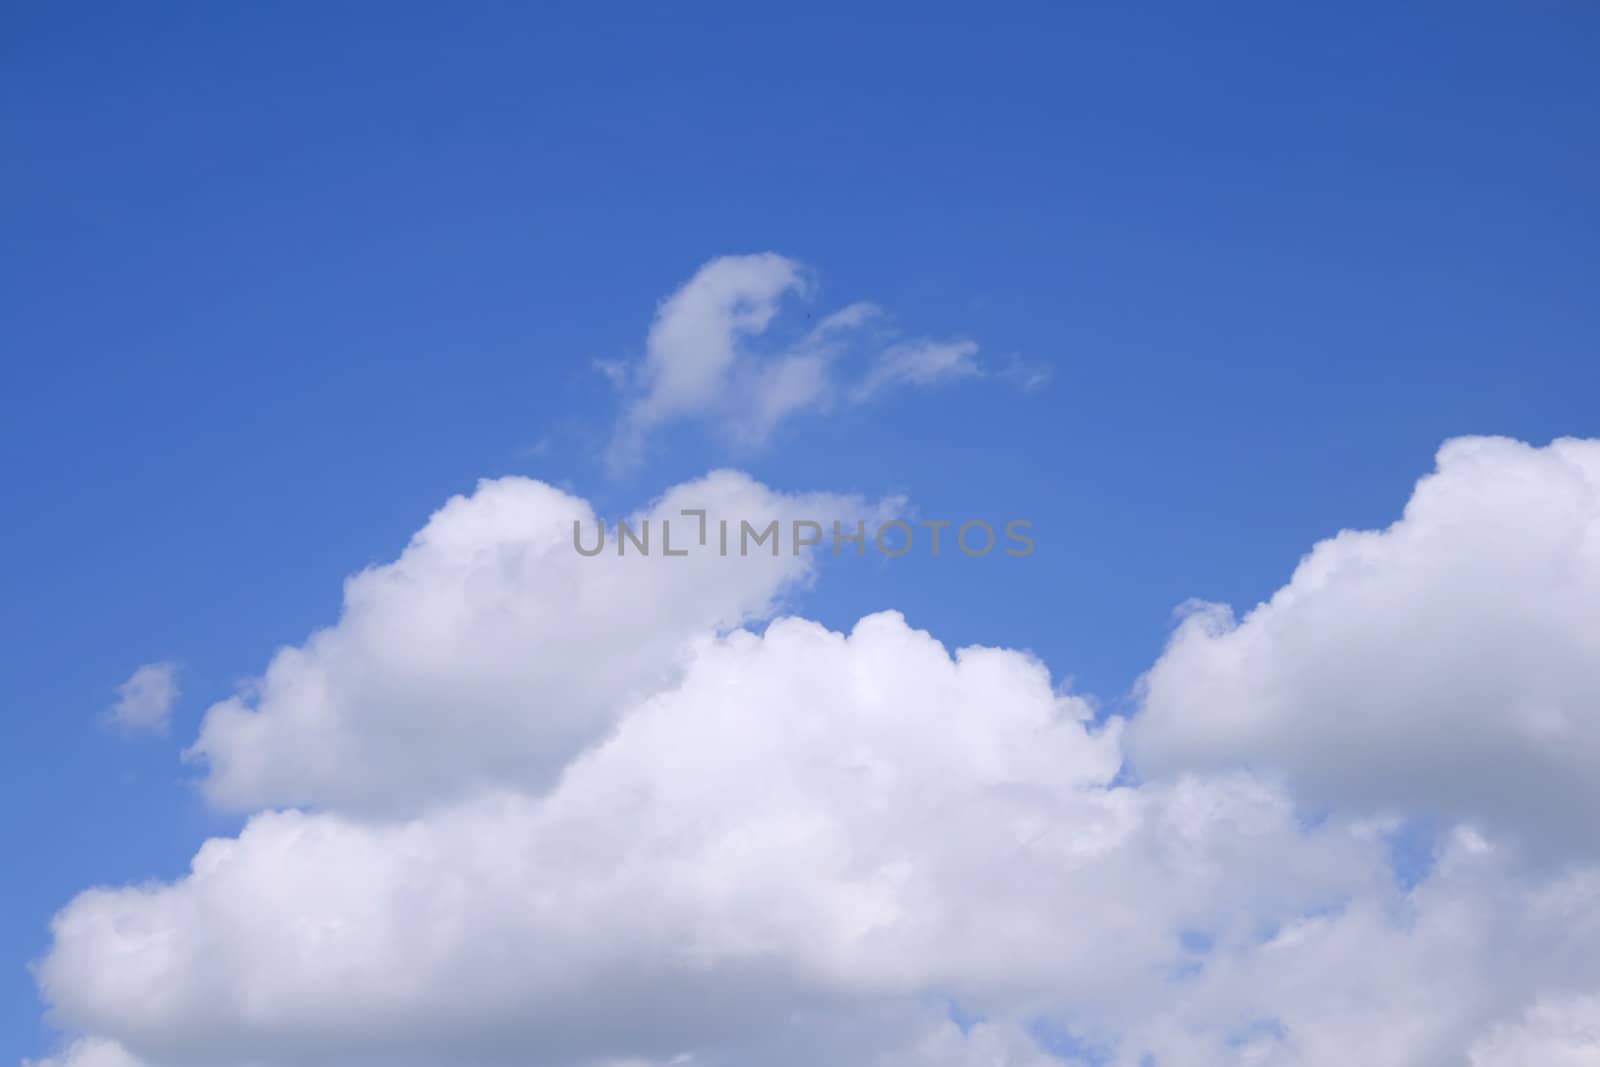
x,y
1447,665
858,823
1388,978
491,651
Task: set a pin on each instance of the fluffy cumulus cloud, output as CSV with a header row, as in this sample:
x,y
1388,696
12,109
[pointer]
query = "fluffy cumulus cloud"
x,y
853,823
702,841
712,356
1445,666
492,651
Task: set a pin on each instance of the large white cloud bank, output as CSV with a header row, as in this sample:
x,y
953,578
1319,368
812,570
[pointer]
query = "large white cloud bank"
x,y
1449,665
518,807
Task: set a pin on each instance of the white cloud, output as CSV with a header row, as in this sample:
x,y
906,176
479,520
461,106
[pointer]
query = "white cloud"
x,y
855,824
1027,375
1446,665
694,341
697,845
88,1052
490,651
146,699
1411,979
1555,1032
918,363
703,360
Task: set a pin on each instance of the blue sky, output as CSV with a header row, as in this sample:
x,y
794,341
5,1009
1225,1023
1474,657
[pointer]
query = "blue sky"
x,y
279,283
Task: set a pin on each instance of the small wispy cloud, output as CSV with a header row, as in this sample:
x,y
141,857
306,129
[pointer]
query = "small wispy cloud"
x,y
919,363
146,699
702,360
1026,375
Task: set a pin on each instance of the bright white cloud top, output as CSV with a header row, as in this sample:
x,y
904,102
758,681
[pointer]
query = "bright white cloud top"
x,y
1446,666
490,652
568,812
